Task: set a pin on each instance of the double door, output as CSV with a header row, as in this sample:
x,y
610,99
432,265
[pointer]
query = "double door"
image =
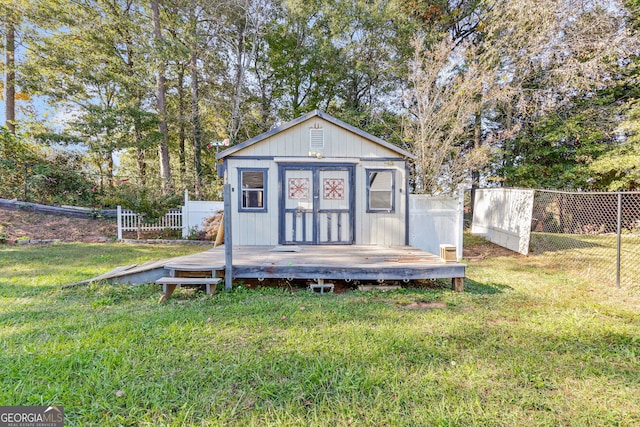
x,y
316,204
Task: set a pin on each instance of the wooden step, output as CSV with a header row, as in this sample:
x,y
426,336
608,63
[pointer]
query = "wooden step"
x,y
194,267
169,284
188,280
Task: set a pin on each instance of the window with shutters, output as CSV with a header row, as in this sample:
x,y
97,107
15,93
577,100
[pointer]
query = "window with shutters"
x,y
253,194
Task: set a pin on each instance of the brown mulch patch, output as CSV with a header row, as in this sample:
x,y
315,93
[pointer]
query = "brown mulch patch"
x,y
419,305
485,250
16,224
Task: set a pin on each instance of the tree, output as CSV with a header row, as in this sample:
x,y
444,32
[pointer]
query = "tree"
x,y
165,168
91,61
13,13
10,66
140,80
619,168
441,103
560,77
149,205
243,26
460,19
31,171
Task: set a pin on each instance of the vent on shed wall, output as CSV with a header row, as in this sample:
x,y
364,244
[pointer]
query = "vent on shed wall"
x,y
316,139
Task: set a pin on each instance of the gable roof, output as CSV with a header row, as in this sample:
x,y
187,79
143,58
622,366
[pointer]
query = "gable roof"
x,y
310,115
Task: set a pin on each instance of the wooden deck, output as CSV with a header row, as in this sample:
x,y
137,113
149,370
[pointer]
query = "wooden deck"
x,y
338,262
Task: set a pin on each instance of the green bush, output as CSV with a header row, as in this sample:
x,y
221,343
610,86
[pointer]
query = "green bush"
x,y
150,205
36,173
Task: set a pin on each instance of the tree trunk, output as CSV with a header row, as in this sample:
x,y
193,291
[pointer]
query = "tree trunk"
x,y
141,159
195,110
181,125
237,95
10,86
142,166
110,167
508,150
163,149
97,161
477,143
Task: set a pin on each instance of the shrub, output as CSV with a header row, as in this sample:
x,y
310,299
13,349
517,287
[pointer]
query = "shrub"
x,y
36,173
150,205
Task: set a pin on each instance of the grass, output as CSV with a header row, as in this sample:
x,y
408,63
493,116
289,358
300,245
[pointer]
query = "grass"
x,y
527,344
593,256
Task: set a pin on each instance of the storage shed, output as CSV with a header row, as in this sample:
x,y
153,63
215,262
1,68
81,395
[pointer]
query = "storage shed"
x,y
315,199
317,181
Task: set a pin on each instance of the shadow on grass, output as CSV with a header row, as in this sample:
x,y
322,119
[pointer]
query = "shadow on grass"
x,y
478,288
471,286
541,243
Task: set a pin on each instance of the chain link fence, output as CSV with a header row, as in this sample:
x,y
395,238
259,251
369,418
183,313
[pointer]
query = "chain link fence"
x,y
597,235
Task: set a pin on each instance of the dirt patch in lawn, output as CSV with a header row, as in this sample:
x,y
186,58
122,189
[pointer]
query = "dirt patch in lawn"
x,y
26,225
483,250
421,305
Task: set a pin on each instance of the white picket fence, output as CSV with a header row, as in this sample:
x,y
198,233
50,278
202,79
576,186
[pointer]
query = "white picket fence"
x,y
131,221
189,217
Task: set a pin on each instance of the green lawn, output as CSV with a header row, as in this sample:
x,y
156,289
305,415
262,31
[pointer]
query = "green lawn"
x,y
592,256
527,344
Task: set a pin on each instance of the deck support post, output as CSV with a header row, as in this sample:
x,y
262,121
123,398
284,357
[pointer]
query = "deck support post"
x,y
228,241
167,290
458,284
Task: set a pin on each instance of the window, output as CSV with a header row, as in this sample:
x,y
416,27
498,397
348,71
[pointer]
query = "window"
x,y
253,184
380,190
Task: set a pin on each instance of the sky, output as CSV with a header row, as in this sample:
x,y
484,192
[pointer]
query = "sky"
x,y
55,117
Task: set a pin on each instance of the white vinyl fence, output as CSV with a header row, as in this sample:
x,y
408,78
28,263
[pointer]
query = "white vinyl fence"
x,y
435,221
188,218
195,212
503,216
